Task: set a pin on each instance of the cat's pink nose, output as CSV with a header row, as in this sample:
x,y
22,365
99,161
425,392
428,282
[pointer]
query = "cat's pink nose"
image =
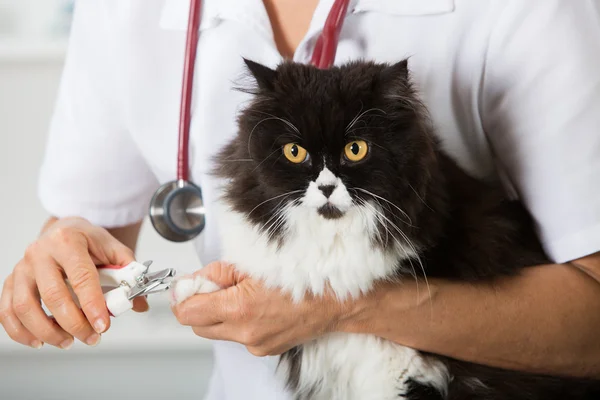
x,y
327,190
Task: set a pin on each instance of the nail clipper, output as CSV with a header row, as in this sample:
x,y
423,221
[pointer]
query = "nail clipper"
x,y
125,283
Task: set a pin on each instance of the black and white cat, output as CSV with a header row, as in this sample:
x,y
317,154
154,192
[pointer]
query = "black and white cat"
x,y
336,179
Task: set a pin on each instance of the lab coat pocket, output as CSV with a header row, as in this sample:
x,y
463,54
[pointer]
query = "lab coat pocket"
x,y
405,7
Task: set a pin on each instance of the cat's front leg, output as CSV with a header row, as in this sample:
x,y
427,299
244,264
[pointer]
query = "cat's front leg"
x,y
186,287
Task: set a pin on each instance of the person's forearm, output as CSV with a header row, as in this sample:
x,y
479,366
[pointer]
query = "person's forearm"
x,y
545,321
128,235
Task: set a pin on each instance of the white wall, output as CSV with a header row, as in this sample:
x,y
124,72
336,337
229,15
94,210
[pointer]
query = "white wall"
x,y
150,355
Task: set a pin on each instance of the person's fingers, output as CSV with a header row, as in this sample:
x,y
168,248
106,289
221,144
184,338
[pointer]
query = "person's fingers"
x,y
12,325
215,332
224,331
200,310
221,273
208,308
57,297
140,304
27,307
72,255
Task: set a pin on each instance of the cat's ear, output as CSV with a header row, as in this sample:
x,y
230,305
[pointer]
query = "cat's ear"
x,y
395,73
265,76
395,82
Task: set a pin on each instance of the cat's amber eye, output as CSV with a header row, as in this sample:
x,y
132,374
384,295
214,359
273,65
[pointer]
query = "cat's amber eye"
x,y
295,153
356,150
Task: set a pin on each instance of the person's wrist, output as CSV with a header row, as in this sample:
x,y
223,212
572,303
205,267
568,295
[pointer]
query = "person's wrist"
x,y
371,313
355,315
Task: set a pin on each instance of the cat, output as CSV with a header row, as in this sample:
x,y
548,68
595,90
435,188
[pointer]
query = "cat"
x,y
337,180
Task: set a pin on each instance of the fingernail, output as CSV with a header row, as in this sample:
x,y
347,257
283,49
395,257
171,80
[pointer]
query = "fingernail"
x,y
93,340
66,345
100,326
36,344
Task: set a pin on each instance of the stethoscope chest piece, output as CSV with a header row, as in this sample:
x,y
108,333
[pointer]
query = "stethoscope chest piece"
x,y
177,211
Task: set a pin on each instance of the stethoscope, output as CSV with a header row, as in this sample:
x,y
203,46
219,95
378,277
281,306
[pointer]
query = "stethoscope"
x,y
177,209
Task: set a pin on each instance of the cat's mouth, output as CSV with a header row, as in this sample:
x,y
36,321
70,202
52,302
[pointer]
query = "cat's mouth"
x,y
329,211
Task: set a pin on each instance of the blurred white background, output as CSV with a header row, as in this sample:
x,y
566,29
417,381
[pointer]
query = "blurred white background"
x,y
142,356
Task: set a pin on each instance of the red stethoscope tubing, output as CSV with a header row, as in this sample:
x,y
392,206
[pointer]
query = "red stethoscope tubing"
x,y
326,46
191,47
323,57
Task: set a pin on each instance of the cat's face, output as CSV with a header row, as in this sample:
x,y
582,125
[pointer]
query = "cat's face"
x,y
330,141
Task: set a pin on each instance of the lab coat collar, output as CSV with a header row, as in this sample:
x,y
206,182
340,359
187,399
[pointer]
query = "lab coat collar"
x,y
405,7
252,12
175,14
391,7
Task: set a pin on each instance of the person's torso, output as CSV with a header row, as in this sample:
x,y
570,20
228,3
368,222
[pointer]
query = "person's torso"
x,y
446,41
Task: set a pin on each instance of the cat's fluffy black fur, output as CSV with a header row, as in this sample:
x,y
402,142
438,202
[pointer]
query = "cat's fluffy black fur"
x,y
465,229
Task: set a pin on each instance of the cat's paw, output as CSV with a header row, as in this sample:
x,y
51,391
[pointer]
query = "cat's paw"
x,y
186,287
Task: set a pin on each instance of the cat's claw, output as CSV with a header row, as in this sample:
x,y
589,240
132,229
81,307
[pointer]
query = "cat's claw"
x,y
187,286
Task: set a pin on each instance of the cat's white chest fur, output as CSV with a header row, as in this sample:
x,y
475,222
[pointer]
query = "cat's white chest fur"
x,y
315,252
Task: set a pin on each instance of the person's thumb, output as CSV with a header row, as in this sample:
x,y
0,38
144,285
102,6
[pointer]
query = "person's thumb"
x,y
105,249
221,273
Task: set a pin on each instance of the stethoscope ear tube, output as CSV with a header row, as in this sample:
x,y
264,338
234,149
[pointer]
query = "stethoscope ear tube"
x,y
326,46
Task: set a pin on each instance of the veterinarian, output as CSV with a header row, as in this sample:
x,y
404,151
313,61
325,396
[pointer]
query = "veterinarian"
x,y
512,85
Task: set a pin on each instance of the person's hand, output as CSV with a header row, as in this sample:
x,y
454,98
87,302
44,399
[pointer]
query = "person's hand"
x,y
71,248
263,319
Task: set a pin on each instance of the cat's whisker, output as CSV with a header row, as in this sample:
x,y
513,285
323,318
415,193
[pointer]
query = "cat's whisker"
x,y
272,117
361,207
280,222
252,133
356,117
285,121
358,128
412,271
407,101
265,159
278,219
380,218
277,159
274,198
360,115
388,233
420,198
389,202
270,230
239,160
410,244
280,216
283,214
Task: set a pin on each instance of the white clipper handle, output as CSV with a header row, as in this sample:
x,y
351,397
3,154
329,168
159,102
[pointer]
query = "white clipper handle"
x,y
117,301
120,280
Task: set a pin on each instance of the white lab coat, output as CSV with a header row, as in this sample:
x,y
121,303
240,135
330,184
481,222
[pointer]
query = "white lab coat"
x,y
513,87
